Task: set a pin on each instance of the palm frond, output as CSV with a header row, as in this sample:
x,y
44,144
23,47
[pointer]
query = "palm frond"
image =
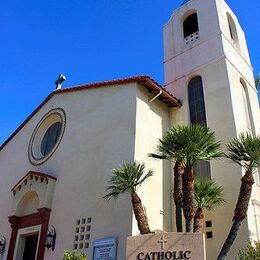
x,y
158,156
245,151
112,194
188,144
208,194
202,145
126,179
149,174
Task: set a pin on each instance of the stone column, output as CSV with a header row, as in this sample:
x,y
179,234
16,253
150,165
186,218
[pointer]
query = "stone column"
x,y
14,220
44,218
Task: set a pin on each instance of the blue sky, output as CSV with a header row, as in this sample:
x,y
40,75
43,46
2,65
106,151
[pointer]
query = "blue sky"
x,y
87,41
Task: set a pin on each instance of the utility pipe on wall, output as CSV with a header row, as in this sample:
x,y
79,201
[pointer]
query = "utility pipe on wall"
x,y
160,92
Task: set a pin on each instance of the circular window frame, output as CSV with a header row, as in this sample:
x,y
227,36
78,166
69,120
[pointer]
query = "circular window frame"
x,y
34,150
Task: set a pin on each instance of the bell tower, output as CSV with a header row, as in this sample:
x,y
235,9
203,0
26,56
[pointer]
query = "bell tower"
x,y
207,66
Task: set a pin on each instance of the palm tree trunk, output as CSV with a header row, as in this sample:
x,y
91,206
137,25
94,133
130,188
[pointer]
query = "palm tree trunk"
x,y
230,240
198,220
188,197
177,194
140,216
240,212
178,217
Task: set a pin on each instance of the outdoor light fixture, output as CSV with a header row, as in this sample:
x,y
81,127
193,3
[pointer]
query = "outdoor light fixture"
x,y
2,245
51,238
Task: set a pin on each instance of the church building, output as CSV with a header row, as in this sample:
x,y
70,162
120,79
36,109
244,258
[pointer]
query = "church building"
x,y
55,166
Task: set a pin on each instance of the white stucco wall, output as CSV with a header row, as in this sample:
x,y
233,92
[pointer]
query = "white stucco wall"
x,y
104,127
99,135
152,120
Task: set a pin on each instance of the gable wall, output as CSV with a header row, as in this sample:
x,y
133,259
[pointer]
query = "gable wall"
x,y
99,135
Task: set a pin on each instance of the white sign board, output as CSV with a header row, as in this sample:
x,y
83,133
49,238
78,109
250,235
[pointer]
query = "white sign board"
x,y
105,249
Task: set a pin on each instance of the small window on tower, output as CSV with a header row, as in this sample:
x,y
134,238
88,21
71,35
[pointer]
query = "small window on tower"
x,y
246,105
191,28
190,25
232,30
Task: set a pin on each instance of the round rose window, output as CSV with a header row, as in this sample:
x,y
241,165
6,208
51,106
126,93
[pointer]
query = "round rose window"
x,y
47,136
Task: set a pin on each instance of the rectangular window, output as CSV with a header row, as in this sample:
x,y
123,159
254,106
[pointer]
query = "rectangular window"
x,y
208,223
209,235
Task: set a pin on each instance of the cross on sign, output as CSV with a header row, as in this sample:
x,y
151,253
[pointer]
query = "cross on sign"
x,y
162,242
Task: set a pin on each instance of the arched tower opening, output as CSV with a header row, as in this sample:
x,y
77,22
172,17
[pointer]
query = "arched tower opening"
x,y
246,105
191,28
232,30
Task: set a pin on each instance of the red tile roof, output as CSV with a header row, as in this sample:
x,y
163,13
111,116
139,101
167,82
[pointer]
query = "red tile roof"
x,y
144,80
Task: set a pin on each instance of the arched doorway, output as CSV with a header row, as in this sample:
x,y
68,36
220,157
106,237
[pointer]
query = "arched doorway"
x,y
30,218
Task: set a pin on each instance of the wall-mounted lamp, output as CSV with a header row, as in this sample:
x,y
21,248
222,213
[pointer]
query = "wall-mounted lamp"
x,y
2,245
51,238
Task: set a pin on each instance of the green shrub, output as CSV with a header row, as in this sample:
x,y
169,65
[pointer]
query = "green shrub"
x,y
74,256
250,252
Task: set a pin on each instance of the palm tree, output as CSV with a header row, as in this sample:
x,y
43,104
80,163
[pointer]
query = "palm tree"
x,y
208,195
202,145
245,151
170,147
127,179
187,145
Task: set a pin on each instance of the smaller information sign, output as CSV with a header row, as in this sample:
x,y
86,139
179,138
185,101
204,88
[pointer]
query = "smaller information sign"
x,y
105,249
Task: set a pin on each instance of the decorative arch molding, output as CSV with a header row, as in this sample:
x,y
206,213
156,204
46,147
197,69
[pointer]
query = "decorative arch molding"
x,y
192,76
33,183
31,207
28,204
187,14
